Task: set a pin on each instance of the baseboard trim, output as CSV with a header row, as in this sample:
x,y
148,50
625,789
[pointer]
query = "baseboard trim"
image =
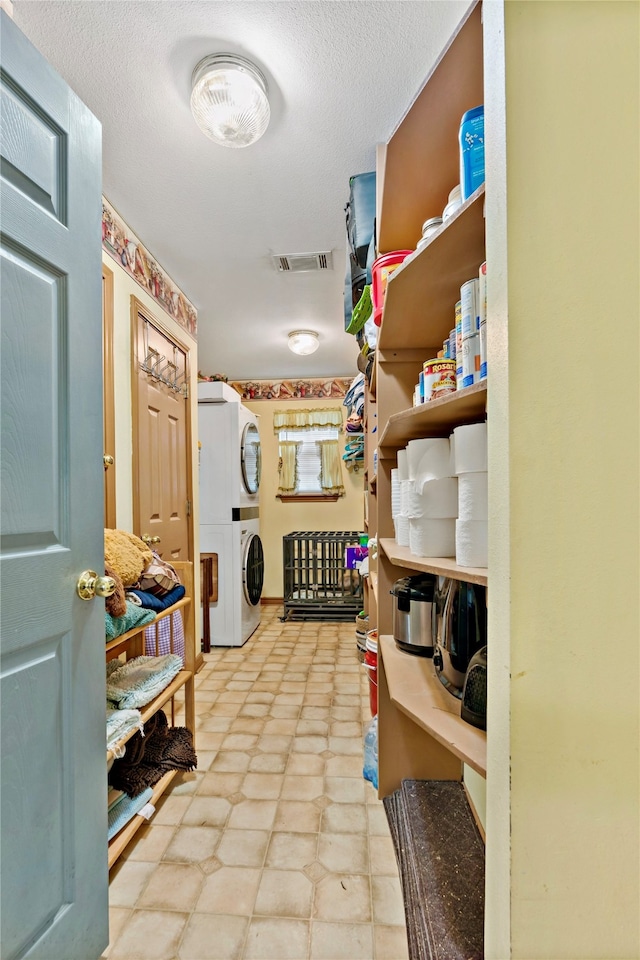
x,y
199,662
267,601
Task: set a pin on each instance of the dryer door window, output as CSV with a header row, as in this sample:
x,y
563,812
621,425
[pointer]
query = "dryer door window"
x,y
253,569
250,458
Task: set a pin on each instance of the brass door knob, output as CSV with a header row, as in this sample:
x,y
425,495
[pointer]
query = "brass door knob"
x,y
149,540
108,460
90,585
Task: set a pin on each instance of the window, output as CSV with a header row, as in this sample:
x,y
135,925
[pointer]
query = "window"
x,y
309,453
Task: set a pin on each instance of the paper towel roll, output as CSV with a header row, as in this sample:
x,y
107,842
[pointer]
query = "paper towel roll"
x,y
403,464
395,494
402,531
473,503
471,543
439,499
431,460
406,489
432,538
471,448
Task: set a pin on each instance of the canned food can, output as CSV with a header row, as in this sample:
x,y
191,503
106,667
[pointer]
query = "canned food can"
x,y
482,297
469,300
483,350
459,329
439,378
470,360
452,344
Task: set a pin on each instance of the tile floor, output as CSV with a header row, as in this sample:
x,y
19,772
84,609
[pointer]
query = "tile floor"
x,y
276,848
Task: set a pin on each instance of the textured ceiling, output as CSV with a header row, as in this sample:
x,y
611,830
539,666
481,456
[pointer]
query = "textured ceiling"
x,y
340,75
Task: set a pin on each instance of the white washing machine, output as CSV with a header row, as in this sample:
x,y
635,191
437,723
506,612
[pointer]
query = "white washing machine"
x,y
230,466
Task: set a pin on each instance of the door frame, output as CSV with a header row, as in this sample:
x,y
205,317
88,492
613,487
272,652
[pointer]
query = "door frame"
x,y
109,396
139,308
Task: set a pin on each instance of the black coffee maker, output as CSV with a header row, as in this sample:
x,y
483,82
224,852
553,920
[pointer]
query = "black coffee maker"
x,y
459,628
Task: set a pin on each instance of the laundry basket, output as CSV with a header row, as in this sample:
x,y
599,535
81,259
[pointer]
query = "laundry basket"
x,y
316,584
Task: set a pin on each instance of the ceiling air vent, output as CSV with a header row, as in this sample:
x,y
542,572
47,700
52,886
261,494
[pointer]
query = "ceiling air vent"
x,y
302,262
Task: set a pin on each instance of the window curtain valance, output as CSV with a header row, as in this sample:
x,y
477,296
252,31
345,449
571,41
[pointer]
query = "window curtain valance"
x,y
296,418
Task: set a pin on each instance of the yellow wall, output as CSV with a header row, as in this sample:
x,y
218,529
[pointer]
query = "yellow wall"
x,y
564,676
278,519
124,287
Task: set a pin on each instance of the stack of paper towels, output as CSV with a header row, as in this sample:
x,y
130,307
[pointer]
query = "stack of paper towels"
x,y
469,445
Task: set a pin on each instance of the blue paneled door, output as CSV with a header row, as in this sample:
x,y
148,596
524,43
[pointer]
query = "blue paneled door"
x,y
53,777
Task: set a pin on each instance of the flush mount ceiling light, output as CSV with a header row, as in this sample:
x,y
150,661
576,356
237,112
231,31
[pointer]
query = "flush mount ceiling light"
x,y
229,100
303,342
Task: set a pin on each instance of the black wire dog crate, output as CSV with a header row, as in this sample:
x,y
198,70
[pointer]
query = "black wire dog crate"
x,y
316,584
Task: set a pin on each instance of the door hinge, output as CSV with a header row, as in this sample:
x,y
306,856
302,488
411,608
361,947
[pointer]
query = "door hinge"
x,y
188,508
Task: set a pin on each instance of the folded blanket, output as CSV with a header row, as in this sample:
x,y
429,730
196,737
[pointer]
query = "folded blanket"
x,y
136,682
148,758
124,810
134,617
151,602
120,723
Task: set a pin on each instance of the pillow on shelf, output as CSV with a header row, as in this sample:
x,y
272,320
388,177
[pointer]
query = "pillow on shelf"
x,y
158,577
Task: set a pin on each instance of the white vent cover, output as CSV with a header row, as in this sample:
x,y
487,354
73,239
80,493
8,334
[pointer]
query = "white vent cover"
x,y
302,262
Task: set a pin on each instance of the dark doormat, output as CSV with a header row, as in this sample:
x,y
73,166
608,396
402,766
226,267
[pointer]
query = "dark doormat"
x,y
440,857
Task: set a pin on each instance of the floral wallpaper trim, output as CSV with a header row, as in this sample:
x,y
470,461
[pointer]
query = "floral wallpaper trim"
x,y
123,246
319,388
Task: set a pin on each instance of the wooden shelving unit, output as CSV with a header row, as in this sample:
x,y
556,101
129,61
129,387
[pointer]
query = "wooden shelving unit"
x,y
131,644
442,566
437,418
417,692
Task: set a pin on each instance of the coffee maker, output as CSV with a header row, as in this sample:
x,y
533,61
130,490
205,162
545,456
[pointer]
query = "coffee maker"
x,y
459,627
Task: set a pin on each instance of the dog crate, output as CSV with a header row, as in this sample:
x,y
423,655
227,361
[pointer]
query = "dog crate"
x,y
316,584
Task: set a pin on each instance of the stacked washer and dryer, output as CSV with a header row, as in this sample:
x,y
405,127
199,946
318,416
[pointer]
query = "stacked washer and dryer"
x,y
229,510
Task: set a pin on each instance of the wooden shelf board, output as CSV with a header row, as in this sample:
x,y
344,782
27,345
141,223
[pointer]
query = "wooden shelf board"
x,y
373,581
119,644
417,692
118,843
443,566
436,417
154,705
419,306
421,159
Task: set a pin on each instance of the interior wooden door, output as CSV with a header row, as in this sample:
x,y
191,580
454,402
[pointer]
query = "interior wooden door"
x,y
162,463
109,426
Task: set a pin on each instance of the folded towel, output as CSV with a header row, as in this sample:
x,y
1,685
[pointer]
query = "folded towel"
x,y
120,723
125,809
135,616
136,682
151,602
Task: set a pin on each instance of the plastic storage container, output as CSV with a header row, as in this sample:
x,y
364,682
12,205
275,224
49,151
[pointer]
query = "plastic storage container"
x,y
471,151
382,268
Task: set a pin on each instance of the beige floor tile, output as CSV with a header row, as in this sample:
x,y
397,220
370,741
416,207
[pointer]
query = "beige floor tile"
x,y
268,763
386,895
231,761
294,816
173,886
345,789
378,823
315,713
209,741
205,759
289,699
276,939
343,854
317,700
344,700
192,844
243,848
345,818
127,880
310,744
118,916
251,725
345,746
284,893
210,937
274,744
346,728
341,941
150,842
312,728
283,711
238,685
233,696
306,765
302,788
343,898
253,815
260,697
207,812
291,851
216,725
390,942
230,890
278,727
220,784
344,767
225,709
262,786
239,741
254,710
382,857
150,935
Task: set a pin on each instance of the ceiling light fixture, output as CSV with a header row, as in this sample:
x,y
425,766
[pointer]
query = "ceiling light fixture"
x,y
229,100
304,342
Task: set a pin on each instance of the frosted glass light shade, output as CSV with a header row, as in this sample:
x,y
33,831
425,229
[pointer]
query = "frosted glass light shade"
x,y
304,342
229,100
